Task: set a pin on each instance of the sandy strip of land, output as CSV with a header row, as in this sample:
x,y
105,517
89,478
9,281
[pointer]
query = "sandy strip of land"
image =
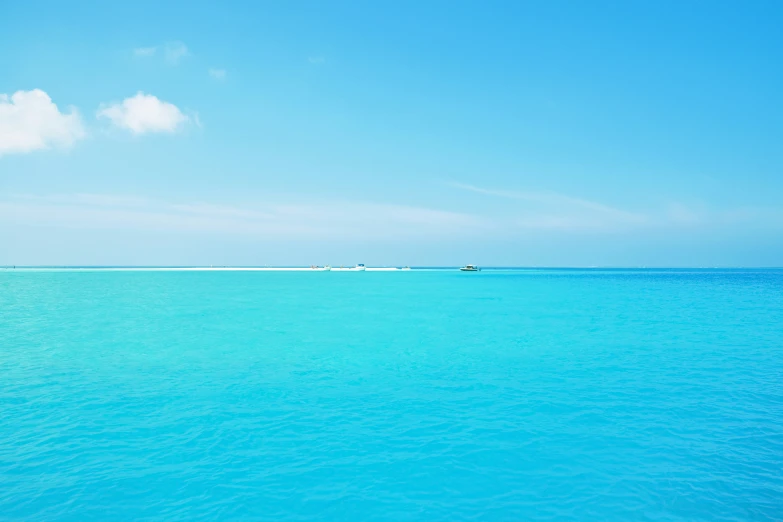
x,y
288,269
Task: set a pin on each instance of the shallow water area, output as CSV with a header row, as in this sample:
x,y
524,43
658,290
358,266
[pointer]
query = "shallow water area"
x,y
405,395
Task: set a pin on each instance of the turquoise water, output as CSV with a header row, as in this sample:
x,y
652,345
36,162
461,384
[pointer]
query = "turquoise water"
x,y
509,395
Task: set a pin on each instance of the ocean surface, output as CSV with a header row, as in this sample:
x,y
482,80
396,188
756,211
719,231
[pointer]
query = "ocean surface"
x,y
601,395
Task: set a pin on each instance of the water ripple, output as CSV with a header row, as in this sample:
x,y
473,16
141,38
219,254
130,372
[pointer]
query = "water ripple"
x,y
506,396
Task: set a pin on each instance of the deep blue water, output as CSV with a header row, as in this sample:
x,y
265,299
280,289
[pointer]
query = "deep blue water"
x,y
543,395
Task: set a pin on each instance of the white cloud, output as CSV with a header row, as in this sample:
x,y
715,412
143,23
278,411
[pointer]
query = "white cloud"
x,y
144,113
145,51
218,74
174,52
29,120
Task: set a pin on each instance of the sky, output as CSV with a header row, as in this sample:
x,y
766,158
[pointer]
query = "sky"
x,y
413,133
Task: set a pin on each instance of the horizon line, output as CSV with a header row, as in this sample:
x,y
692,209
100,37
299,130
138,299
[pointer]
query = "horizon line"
x,y
388,267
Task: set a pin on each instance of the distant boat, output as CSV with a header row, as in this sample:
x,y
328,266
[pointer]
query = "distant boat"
x,y
327,268
470,268
360,267
406,268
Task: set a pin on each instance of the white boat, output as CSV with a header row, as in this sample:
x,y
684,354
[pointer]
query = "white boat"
x,y
470,268
406,268
327,268
360,267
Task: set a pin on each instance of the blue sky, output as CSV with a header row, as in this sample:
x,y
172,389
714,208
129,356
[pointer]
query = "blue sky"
x,y
420,133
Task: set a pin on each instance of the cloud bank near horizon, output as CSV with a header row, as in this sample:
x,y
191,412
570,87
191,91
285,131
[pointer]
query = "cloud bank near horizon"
x,y
358,220
294,220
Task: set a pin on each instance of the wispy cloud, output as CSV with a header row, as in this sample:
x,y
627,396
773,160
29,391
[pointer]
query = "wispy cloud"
x,y
218,74
542,210
331,219
96,200
554,210
142,52
174,52
685,215
552,198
